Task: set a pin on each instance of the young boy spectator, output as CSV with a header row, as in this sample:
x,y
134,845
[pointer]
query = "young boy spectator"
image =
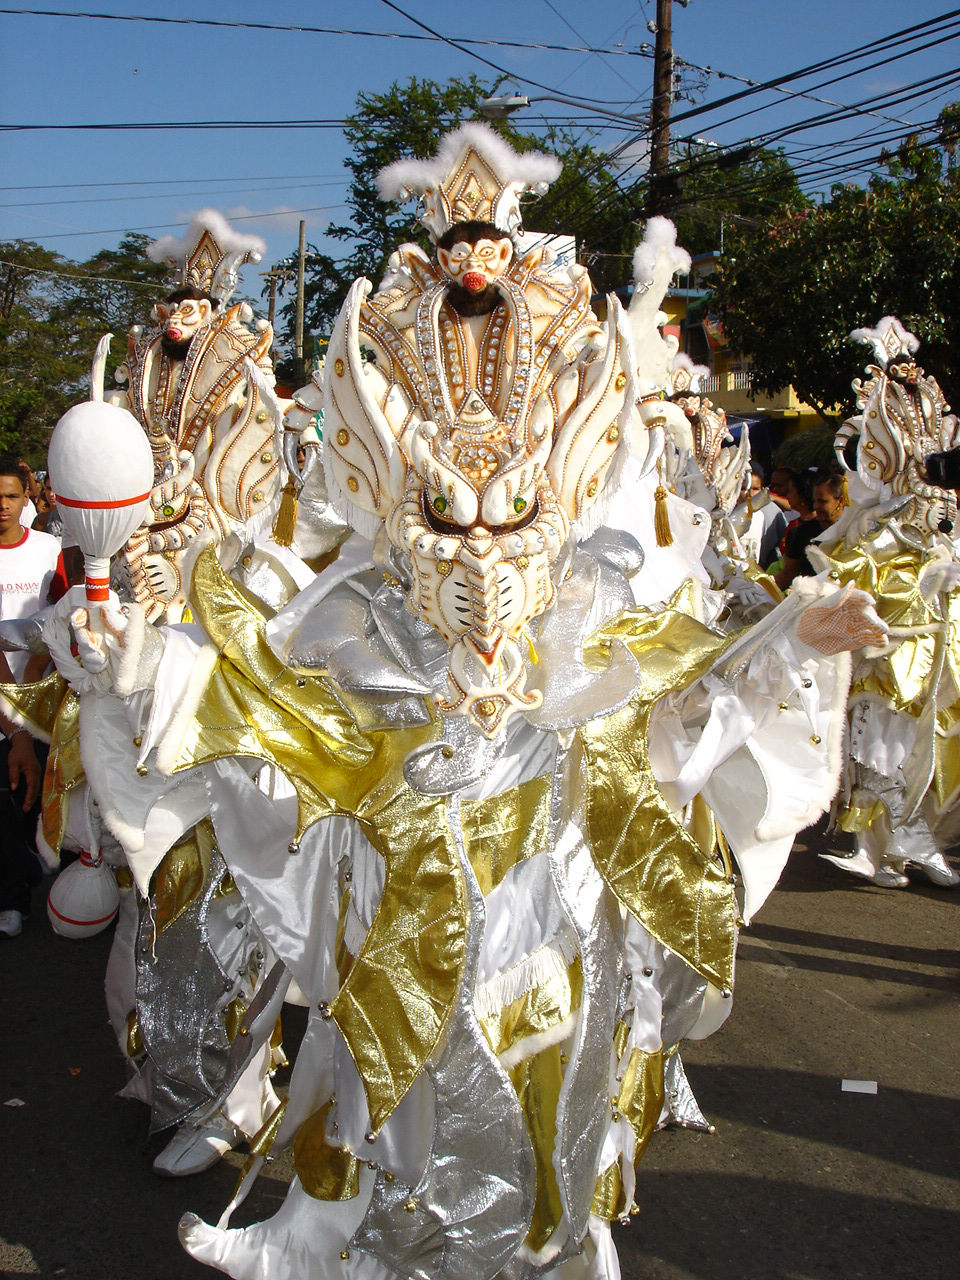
x,y
28,566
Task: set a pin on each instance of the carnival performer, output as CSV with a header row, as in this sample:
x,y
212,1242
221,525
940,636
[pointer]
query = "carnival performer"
x,y
469,791
186,956
898,540
200,382
697,525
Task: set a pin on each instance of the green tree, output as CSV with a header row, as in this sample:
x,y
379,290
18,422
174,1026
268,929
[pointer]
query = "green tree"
x,y
409,119
723,191
791,290
52,313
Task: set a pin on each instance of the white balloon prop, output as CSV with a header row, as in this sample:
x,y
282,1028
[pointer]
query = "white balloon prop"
x,y
101,469
84,898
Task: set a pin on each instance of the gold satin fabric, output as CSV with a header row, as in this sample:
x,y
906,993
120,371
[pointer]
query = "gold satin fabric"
x,y
537,1081
500,832
652,864
52,710
904,678
609,1201
901,678
640,1101
181,875
536,1011
64,769
395,1001
325,1172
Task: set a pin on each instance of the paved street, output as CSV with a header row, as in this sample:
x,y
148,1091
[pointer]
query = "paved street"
x,y
836,979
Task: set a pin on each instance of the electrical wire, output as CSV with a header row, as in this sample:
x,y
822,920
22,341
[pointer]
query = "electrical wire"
x,y
74,275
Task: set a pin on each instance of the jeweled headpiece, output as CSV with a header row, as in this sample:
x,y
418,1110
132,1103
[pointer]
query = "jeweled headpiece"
x,y
209,256
475,176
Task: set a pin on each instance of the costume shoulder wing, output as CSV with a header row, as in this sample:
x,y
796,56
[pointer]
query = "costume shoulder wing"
x,y
591,433
364,415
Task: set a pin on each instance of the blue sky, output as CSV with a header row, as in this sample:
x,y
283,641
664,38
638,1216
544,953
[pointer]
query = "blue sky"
x,y
77,190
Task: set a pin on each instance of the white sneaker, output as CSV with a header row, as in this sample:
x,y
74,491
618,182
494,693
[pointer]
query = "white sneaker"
x,y
889,878
11,923
859,864
939,873
194,1148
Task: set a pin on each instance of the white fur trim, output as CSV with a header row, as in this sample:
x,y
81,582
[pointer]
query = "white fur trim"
x,y
659,236
530,1046
168,748
174,248
18,719
404,178
48,857
126,677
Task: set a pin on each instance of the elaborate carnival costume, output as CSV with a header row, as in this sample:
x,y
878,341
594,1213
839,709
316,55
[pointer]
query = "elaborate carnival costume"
x,y
469,791
186,958
701,471
200,382
898,540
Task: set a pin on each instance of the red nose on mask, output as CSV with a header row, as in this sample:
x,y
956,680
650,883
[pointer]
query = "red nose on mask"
x,y
475,281
174,334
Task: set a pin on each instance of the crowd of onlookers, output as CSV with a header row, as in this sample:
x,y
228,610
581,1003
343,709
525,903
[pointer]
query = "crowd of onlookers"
x,y
802,505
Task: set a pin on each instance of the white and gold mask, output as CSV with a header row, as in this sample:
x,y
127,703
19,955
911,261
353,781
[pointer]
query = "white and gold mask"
x,y
480,442
903,418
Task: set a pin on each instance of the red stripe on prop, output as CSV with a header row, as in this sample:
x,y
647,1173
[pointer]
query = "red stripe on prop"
x,y
101,506
80,923
97,588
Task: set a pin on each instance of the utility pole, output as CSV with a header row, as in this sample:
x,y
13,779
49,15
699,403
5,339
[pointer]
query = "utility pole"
x,y
298,336
658,195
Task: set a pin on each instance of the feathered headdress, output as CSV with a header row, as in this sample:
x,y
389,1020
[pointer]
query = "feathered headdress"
x,y
210,255
475,176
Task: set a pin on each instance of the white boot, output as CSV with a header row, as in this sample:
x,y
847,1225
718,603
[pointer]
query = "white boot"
x,y
194,1148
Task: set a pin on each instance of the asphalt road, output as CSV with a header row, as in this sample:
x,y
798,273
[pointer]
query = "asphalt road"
x,y
836,980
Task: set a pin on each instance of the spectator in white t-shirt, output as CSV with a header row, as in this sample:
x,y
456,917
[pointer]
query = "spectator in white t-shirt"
x,y
28,568
28,558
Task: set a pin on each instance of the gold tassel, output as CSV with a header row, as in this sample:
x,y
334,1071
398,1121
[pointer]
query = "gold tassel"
x,y
661,517
286,520
845,492
749,505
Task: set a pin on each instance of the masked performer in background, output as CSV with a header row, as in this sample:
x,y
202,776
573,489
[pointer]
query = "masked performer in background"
x,y
201,384
898,541
471,793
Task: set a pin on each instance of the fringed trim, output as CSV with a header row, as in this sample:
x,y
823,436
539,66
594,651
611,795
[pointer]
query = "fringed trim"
x,y
547,962
286,520
367,523
168,748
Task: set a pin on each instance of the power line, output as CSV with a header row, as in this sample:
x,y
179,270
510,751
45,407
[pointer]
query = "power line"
x,y
157,286
167,226
814,68
159,182
160,195
427,36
